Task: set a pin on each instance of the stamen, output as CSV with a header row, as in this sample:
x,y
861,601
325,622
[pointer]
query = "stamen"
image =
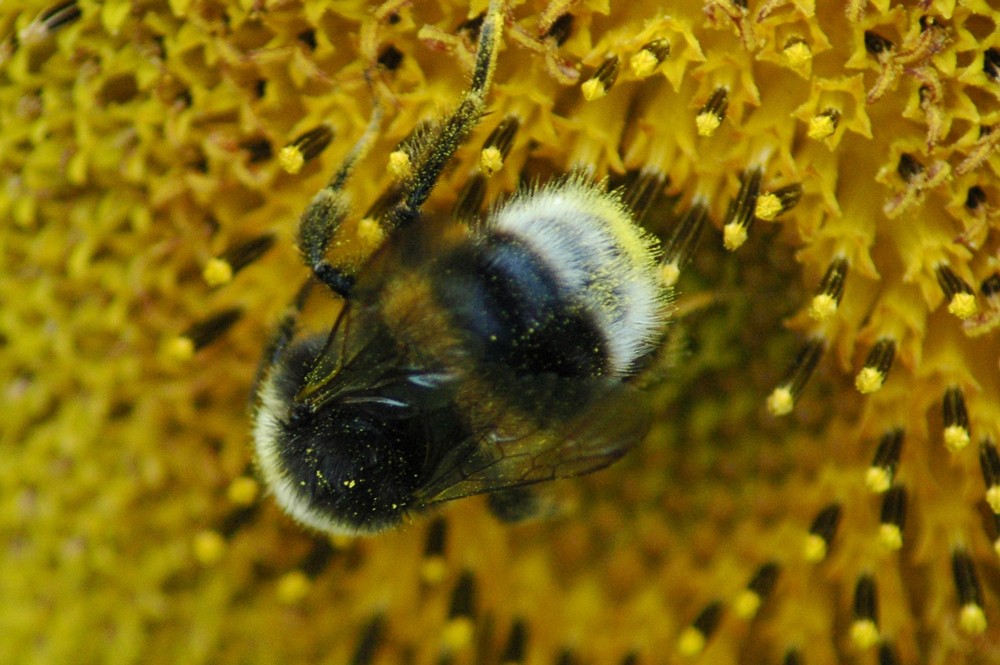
x,y
772,204
956,420
864,629
989,462
821,533
972,618
49,21
371,639
749,600
893,516
712,114
497,145
887,655
882,471
433,568
642,189
682,242
693,638
459,630
516,644
961,299
876,44
390,58
991,63
782,399
400,165
873,375
203,333
831,291
221,269
645,61
470,199
741,210
598,85
304,148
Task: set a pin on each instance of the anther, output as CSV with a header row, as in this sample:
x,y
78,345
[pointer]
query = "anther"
x,y
873,375
390,58
458,632
681,244
713,112
991,63
515,649
876,44
893,517
561,29
749,600
882,471
974,198
221,269
470,198
400,165
780,201
693,639
971,618
823,124
990,288
371,639
989,462
243,491
598,85
645,61
203,333
782,399
497,145
49,21
961,299
864,629
822,532
956,420
433,568
908,167
304,148
741,210
259,150
887,655
292,587
831,290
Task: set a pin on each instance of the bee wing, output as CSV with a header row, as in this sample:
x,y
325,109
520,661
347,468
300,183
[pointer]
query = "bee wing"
x,y
609,418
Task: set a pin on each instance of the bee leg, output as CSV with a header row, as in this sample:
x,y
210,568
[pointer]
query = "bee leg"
x,y
450,133
327,210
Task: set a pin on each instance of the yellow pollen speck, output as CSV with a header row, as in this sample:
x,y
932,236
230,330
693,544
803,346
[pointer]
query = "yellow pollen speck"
x,y
593,89
209,546
349,484
798,54
707,123
433,570
217,272
878,479
643,63
370,233
956,438
180,348
869,380
814,549
822,307
291,159
963,305
864,634
733,236
490,160
768,207
972,619
670,273
457,634
293,587
746,604
691,642
780,402
890,536
243,491
821,127
399,165
993,498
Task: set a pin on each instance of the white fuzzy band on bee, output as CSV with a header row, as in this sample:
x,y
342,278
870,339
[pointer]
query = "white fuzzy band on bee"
x,y
598,254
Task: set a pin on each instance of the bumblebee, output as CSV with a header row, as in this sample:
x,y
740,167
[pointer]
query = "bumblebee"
x,y
468,358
